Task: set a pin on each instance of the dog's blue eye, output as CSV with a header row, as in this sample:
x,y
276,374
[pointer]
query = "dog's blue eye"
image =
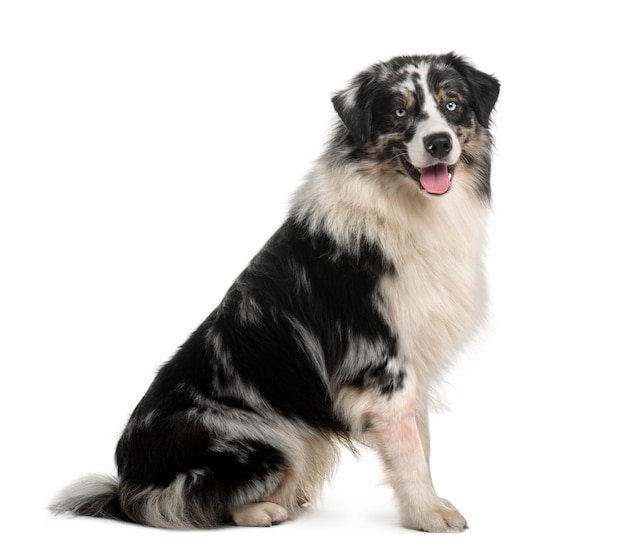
x,y
400,112
451,106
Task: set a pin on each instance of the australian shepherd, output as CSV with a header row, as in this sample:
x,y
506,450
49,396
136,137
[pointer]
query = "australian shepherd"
x,y
337,330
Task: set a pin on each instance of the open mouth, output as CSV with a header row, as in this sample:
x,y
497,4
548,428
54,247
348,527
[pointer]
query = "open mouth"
x,y
435,179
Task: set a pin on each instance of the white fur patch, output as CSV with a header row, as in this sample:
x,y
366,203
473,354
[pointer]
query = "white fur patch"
x,y
434,124
261,514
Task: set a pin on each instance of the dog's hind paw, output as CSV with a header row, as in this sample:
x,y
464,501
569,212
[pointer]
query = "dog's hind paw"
x,y
260,514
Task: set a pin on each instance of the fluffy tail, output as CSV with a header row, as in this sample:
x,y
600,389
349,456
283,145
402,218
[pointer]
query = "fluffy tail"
x,y
95,496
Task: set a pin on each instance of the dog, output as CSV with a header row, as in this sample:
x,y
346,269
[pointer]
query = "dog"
x,y
339,328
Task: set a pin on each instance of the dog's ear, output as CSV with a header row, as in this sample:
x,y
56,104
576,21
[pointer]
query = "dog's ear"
x,y
485,88
354,107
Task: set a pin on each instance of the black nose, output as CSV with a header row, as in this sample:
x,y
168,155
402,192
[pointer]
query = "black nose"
x,y
438,145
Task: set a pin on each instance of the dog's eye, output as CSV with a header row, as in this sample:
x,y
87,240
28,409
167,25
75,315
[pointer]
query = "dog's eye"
x,y
400,112
451,106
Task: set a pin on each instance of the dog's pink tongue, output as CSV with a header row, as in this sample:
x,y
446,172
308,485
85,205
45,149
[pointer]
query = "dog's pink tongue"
x,y
435,179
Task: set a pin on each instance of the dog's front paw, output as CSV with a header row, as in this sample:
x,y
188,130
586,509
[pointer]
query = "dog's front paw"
x,y
440,517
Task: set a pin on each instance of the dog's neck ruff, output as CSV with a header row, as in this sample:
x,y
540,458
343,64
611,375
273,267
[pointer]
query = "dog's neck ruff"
x,y
353,207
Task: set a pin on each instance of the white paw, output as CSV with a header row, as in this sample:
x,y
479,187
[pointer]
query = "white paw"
x,y
441,517
260,514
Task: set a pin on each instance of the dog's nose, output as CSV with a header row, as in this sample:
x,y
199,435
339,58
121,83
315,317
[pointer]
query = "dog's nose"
x,y
438,145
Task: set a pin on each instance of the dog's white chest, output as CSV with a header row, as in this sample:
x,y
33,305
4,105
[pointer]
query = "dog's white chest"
x,y
436,297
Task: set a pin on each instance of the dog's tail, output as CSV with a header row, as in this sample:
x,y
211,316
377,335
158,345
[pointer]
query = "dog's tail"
x,y
94,496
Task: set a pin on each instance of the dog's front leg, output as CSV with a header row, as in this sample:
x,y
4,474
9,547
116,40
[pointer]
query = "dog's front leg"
x,y
394,433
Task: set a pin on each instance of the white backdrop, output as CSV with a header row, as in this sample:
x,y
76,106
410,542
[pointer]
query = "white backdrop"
x,y
148,149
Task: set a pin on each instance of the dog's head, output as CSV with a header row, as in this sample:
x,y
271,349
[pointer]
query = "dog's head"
x,y
421,116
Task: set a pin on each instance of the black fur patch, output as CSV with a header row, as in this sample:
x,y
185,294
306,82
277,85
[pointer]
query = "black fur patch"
x,y
166,437
381,378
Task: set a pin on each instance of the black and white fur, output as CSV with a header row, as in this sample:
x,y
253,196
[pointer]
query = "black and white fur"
x,y
338,328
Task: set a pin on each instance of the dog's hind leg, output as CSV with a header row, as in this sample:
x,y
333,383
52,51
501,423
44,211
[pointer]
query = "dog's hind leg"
x,y
221,474
311,460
